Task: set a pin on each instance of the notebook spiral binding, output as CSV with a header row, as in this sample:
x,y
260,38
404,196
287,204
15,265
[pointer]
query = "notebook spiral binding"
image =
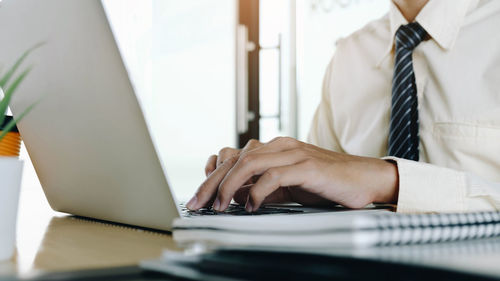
x,y
402,229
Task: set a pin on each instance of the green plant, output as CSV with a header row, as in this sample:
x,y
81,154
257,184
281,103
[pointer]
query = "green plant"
x,y
11,88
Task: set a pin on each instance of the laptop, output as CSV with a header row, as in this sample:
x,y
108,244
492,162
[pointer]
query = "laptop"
x,y
88,139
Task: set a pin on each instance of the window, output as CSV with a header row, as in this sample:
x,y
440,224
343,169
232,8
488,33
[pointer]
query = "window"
x,y
179,57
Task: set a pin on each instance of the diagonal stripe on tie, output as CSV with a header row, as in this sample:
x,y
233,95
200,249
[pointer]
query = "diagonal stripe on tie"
x,y
402,59
403,69
394,145
402,108
403,134
408,76
398,124
404,143
398,99
408,37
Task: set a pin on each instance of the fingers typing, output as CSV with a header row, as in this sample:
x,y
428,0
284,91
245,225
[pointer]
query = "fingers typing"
x,y
271,181
209,187
249,165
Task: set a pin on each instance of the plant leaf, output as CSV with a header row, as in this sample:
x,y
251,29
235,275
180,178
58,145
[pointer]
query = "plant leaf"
x,y
14,121
4,104
5,79
3,101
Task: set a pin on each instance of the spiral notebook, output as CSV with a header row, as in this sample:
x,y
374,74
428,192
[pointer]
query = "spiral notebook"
x,y
363,228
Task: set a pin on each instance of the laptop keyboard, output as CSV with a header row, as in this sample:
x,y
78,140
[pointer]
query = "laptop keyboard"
x,y
236,210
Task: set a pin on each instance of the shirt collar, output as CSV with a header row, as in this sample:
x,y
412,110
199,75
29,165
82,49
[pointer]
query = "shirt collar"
x,y
441,19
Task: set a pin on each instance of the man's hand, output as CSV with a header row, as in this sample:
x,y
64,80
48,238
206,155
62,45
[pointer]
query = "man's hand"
x,y
292,171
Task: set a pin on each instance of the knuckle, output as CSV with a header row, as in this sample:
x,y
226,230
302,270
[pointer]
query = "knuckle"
x,y
224,151
231,160
286,141
277,139
253,142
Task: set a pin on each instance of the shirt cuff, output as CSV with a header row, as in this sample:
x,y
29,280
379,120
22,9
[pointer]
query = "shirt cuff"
x,y
426,188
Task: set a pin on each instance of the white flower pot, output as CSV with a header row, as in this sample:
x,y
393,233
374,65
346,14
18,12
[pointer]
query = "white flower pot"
x,y
11,169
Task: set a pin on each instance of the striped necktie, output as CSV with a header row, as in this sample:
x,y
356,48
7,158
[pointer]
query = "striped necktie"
x,y
403,135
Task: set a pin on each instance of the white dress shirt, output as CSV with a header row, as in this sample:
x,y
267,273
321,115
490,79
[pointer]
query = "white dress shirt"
x,y
457,73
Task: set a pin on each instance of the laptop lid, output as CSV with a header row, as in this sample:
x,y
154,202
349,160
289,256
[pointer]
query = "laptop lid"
x,y
87,138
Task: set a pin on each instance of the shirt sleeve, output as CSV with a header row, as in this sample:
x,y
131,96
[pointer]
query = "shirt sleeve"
x,y
321,131
427,188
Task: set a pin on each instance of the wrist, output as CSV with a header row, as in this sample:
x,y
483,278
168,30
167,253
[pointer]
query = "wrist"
x,y
388,184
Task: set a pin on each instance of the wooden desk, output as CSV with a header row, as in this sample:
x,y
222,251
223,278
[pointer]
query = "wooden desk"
x,y
71,243
52,241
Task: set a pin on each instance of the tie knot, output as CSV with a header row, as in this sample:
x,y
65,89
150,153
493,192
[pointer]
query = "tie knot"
x,y
409,36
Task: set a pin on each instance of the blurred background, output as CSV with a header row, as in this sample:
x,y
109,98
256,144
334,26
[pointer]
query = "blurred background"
x,y
211,74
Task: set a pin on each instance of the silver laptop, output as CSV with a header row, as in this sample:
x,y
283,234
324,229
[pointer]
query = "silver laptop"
x,y
87,138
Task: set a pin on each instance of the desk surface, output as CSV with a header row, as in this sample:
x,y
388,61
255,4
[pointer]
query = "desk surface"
x,y
52,241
